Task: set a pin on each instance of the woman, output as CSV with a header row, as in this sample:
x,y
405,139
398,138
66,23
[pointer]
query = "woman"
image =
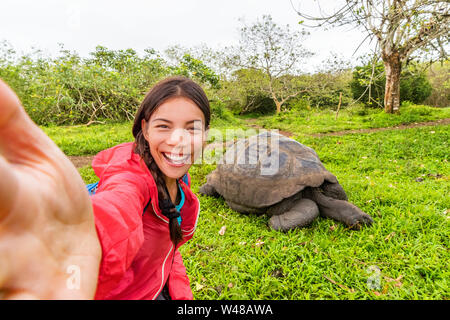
x,y
51,231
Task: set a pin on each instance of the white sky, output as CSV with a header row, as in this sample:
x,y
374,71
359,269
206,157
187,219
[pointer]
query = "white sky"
x,y
82,25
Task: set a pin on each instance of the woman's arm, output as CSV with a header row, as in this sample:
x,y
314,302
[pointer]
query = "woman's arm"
x,y
49,247
118,207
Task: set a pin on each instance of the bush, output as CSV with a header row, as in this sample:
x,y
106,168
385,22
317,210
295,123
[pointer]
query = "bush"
x,y
108,86
324,89
440,82
243,94
67,90
219,111
414,86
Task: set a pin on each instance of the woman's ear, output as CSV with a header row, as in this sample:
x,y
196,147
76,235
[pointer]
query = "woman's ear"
x,y
144,128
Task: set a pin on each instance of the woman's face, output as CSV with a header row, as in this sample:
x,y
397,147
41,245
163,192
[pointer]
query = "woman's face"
x,y
176,134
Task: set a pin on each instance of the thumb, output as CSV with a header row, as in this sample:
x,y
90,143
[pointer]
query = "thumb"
x,y
21,140
9,105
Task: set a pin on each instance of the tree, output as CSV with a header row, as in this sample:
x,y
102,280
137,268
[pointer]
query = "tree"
x,y
275,52
414,85
188,66
400,28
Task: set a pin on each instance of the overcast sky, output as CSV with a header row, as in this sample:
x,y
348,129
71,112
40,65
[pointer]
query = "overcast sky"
x,y
81,25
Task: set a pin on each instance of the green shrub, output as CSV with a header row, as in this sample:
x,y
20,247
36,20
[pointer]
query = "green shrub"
x,y
108,86
440,82
219,111
414,87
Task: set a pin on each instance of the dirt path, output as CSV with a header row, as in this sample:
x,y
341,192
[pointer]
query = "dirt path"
x,y
283,132
446,121
81,161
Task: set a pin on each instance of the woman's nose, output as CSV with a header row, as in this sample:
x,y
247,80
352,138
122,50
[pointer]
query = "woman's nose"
x,y
179,137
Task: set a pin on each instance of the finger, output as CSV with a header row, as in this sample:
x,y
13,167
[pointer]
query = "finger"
x,y
13,123
5,271
9,104
21,140
20,295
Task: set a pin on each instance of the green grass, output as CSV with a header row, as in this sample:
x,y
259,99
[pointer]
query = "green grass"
x,y
409,238
310,122
399,177
82,140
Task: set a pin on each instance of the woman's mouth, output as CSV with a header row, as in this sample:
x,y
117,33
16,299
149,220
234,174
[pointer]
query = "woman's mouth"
x,y
176,160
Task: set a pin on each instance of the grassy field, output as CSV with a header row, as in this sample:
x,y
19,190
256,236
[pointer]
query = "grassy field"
x,y
313,121
399,177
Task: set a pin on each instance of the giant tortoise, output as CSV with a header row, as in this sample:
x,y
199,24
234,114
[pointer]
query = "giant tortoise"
x,y
270,173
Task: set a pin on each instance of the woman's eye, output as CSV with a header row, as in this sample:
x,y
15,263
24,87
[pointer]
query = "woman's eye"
x,y
162,126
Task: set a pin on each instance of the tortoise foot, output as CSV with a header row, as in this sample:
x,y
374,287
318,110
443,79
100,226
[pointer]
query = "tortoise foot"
x,y
208,190
301,214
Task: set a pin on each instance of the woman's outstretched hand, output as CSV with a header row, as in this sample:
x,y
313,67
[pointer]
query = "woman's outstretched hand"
x,y
49,247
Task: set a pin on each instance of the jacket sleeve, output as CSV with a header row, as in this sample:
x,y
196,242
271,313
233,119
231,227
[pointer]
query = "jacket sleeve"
x,y
178,282
118,207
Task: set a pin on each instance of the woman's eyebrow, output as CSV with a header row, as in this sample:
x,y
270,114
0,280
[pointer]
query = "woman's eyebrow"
x,y
188,122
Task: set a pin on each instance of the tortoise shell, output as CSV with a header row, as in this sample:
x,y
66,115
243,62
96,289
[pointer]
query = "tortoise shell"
x,y
264,169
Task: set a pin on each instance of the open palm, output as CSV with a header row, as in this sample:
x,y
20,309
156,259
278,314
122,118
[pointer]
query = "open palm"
x,y
49,247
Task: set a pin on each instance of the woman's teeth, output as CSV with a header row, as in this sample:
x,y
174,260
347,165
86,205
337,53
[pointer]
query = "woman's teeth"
x,y
177,159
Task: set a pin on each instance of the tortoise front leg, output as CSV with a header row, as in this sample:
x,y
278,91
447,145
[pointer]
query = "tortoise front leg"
x,y
208,190
301,214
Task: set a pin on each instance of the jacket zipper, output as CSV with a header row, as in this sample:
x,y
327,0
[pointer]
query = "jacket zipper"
x,y
162,273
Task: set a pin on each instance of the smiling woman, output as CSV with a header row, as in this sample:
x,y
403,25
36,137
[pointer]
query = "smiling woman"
x,y
170,131
142,212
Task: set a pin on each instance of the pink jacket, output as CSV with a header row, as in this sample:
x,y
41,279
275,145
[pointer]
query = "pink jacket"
x,y
138,256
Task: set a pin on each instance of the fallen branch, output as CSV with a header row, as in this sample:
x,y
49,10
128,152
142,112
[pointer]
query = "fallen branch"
x,y
338,284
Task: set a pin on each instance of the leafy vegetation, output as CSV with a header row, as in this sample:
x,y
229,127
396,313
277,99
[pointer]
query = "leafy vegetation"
x,y
400,29
106,87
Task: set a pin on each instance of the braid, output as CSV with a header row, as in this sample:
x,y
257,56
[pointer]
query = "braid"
x,y
165,203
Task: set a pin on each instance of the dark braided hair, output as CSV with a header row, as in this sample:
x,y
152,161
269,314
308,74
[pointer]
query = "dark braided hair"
x,y
163,90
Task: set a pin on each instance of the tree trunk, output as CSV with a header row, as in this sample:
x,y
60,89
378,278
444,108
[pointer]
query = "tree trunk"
x,y
278,104
393,68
